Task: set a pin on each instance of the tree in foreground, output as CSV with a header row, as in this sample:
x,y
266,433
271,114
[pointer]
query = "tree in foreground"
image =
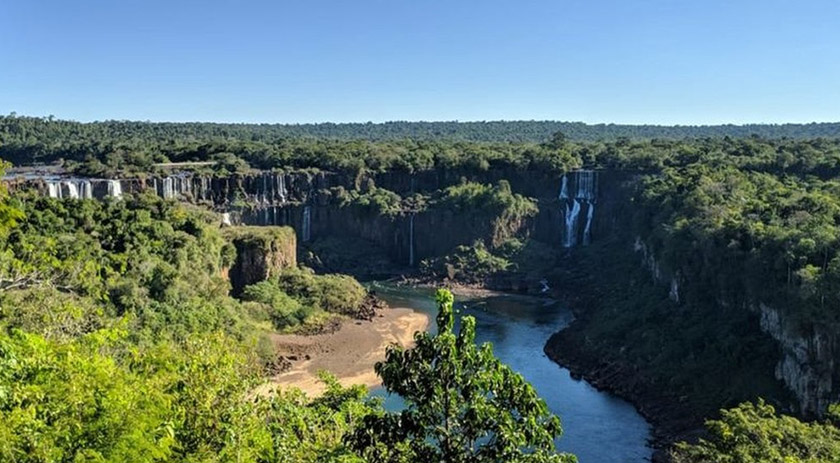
x,y
462,404
756,434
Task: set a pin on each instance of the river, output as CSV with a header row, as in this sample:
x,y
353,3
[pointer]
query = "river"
x,y
597,427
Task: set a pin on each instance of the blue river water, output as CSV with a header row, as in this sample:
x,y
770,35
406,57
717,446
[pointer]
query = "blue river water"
x,y
597,427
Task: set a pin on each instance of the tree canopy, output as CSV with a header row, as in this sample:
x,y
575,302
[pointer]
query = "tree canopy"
x,y
462,404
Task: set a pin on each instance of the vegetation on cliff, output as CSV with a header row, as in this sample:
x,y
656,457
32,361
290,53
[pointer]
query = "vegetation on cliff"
x,y
734,222
754,433
119,342
255,254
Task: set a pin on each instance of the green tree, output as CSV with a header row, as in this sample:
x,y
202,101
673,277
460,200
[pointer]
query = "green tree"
x,y
9,215
753,433
462,404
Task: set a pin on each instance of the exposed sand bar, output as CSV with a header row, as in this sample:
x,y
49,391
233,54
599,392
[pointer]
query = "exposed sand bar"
x,y
350,353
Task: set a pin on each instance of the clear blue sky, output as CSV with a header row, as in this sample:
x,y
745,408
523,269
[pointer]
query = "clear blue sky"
x,y
628,61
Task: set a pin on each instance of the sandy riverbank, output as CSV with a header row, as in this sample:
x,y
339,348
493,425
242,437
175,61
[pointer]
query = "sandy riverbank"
x,y
349,354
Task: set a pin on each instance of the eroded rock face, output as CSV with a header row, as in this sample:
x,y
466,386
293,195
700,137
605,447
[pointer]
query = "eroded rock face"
x,y
807,363
261,252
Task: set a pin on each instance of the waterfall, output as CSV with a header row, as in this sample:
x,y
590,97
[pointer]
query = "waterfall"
x,y
54,189
184,185
307,219
572,212
114,188
281,179
226,219
85,189
587,238
583,184
167,190
265,198
411,240
72,190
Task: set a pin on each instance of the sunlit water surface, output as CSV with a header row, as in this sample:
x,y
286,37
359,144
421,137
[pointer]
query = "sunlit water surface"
x,y
597,427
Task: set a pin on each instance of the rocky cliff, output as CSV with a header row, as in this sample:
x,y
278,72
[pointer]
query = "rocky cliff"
x,y
804,362
573,210
807,364
261,252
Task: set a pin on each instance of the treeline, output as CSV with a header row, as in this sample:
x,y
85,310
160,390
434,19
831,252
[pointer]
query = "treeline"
x,y
27,140
755,223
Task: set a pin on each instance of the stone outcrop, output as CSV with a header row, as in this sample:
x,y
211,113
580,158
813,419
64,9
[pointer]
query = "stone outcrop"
x,y
807,364
261,252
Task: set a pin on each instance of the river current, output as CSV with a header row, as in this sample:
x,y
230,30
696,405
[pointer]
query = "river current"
x,y
597,427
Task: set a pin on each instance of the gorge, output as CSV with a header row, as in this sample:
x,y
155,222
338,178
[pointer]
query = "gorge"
x,y
310,202
680,265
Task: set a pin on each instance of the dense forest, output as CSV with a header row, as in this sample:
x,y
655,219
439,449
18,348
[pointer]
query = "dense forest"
x,y
119,340
26,140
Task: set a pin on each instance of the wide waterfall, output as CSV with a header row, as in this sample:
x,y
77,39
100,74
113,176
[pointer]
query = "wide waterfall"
x,y
70,188
263,189
263,198
584,185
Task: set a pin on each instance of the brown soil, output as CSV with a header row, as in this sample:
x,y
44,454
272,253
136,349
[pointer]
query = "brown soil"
x,y
349,353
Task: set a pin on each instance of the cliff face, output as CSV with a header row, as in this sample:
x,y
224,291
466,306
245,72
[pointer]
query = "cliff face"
x,y
258,188
807,365
302,200
261,252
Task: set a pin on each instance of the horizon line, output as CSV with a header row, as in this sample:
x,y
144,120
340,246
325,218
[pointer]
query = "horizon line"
x,y
418,121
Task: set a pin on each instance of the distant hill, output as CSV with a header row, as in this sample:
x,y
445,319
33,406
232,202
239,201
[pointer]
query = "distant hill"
x,y
43,129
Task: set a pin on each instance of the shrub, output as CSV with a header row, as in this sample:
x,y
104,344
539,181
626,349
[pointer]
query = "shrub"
x,y
283,310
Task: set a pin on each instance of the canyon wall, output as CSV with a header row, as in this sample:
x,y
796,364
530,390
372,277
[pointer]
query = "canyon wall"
x,y
573,210
261,252
807,363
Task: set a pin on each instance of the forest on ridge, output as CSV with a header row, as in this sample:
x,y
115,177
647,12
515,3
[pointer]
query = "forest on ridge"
x,y
120,340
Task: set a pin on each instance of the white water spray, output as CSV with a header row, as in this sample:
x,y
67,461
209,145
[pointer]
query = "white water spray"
x,y
54,189
572,212
72,190
587,233
114,188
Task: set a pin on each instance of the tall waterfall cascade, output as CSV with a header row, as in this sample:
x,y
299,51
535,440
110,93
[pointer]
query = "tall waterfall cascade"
x,y
584,184
571,219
